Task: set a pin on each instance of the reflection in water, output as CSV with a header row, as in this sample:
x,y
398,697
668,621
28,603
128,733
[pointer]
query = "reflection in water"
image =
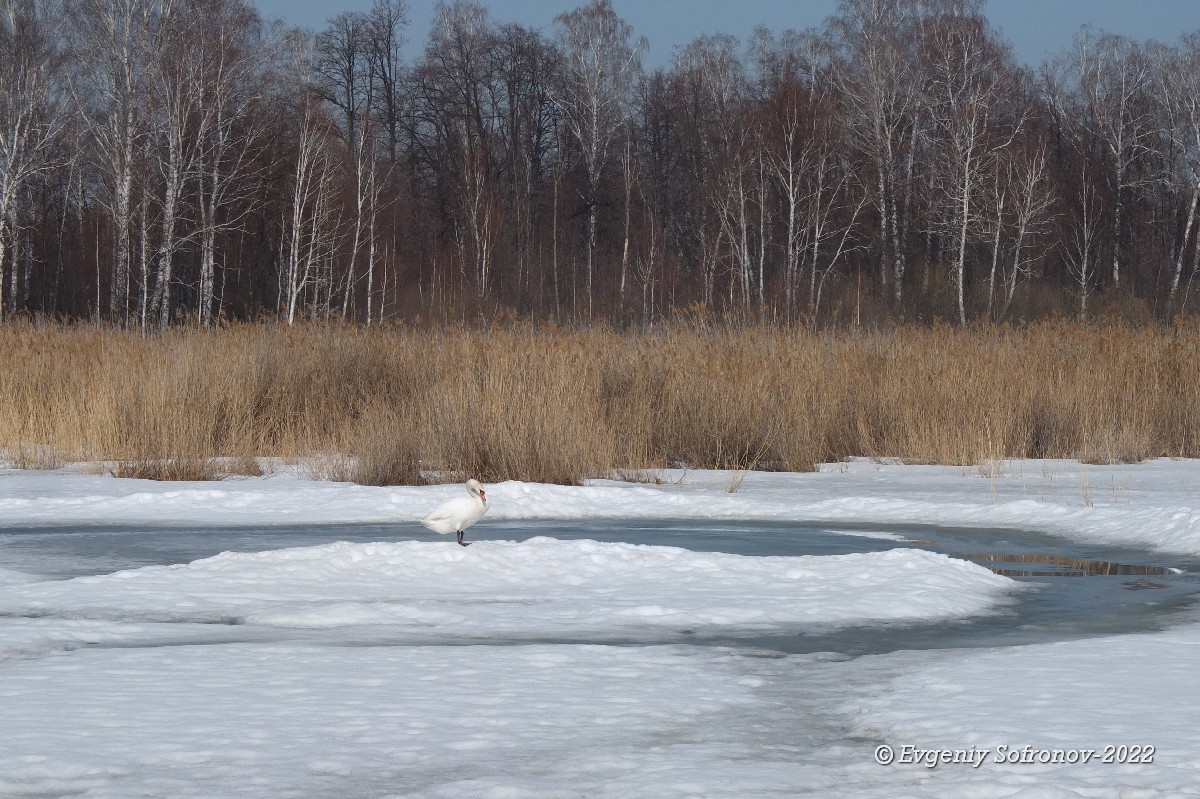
x,y
1066,566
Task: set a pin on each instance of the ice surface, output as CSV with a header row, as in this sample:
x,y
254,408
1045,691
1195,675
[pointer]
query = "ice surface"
x,y
537,588
251,675
10,577
298,721
1081,700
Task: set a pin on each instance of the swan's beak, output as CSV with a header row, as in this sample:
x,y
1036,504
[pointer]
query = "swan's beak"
x,y
483,495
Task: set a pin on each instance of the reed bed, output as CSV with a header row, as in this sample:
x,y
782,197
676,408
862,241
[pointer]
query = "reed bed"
x,y
403,406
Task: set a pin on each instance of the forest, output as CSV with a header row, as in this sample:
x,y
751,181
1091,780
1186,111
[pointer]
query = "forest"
x,y
184,162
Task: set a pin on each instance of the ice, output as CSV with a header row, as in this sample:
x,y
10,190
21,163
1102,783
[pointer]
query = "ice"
x,y
536,588
1033,705
416,668
301,721
11,577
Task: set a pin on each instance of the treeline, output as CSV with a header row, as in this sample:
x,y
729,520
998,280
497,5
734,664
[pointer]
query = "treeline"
x,y
182,161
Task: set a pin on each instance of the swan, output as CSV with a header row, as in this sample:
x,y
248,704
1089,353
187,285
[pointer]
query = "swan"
x,y
459,514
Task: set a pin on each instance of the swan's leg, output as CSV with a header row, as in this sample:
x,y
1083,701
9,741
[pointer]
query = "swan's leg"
x,y
460,541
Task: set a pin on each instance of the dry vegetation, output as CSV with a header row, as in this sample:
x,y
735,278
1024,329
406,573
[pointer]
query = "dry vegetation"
x,y
395,406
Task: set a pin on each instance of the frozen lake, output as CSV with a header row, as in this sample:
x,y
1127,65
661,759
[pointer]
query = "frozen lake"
x,y
1058,607
162,654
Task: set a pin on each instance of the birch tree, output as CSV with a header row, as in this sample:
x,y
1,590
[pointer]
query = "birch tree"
x,y
31,118
1114,79
458,134
110,47
310,222
877,78
968,80
346,78
1022,204
176,105
600,67
734,155
227,74
804,141
1179,91
360,74
1082,232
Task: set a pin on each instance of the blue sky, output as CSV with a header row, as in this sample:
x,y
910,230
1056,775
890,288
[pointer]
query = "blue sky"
x,y
1037,28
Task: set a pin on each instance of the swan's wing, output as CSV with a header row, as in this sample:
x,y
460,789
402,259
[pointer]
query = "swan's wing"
x,y
436,516
447,510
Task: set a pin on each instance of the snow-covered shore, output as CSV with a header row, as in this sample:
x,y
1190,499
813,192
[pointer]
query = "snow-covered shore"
x,y
1152,505
250,675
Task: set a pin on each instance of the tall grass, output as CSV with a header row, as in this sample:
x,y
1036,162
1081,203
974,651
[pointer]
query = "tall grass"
x,y
397,406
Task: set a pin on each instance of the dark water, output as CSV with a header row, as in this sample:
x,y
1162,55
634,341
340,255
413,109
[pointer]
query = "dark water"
x,y
1056,607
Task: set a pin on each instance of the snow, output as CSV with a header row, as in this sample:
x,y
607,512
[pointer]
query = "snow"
x,y
1089,699
302,721
417,668
1155,505
536,588
11,577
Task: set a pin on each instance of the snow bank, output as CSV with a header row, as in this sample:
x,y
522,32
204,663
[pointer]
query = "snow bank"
x,y
536,588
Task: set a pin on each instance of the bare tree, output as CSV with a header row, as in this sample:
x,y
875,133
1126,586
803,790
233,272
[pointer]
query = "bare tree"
x,y
31,118
600,67
386,23
662,190
805,149
110,43
346,74
458,134
175,105
310,226
227,73
1178,80
789,155
733,152
163,156
692,189
969,77
1114,79
359,73
1081,243
310,223
525,63
877,80
1022,202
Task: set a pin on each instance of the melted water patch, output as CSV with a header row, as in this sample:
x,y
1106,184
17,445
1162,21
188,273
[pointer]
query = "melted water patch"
x,y
1130,590
1016,565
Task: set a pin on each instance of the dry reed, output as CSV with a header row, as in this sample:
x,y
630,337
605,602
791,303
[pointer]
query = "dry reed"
x,y
402,406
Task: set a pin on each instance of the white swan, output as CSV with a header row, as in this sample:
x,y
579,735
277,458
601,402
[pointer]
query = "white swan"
x,y
459,514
